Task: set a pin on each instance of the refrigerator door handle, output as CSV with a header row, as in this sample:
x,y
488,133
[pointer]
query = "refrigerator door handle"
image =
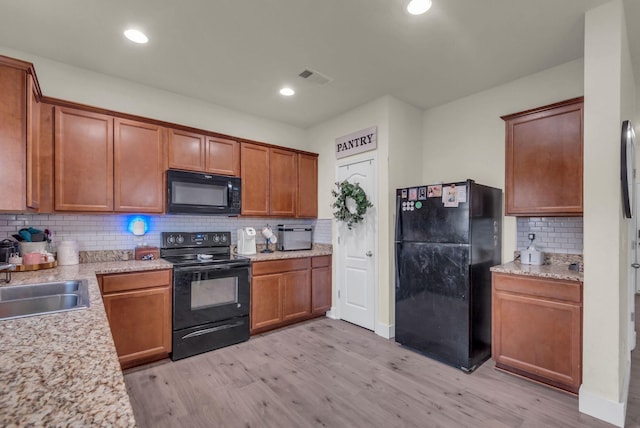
x,y
398,222
397,270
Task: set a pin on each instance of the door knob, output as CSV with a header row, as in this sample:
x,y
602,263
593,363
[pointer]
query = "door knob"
x,y
369,254
635,265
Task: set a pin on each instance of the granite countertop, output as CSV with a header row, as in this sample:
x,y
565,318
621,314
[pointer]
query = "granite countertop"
x,y
62,369
317,250
553,271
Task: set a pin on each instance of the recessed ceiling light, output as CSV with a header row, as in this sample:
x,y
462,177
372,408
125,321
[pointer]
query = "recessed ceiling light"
x,y
418,7
136,36
287,92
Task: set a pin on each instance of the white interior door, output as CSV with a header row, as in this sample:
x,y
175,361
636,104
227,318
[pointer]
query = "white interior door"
x,y
357,285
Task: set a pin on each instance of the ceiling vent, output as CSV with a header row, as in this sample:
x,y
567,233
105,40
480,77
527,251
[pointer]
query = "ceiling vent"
x,y
315,77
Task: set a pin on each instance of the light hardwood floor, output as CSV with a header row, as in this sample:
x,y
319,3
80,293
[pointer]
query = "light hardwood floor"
x,y
327,373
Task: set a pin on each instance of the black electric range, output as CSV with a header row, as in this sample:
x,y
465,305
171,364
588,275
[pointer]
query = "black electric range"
x,y
211,289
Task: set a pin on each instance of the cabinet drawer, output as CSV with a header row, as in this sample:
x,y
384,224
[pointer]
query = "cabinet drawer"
x,y
557,289
135,280
321,261
279,266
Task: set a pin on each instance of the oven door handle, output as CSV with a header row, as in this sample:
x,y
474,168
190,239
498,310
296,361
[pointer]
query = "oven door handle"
x,y
208,268
212,330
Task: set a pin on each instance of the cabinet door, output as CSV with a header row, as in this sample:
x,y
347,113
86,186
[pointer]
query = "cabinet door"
x,y
538,338
33,145
223,156
266,301
140,323
544,161
255,179
186,150
83,161
12,138
138,167
45,155
321,289
307,202
283,179
296,294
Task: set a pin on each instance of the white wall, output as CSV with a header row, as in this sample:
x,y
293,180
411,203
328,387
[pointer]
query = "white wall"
x,y
70,83
405,170
466,138
609,93
398,156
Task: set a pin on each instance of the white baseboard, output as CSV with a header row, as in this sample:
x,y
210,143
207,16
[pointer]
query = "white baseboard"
x,y
385,330
331,313
604,409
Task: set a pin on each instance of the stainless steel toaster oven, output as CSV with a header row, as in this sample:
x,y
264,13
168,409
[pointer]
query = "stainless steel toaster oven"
x,y
294,237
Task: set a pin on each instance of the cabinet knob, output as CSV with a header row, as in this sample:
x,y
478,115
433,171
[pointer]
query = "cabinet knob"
x,y
635,265
369,254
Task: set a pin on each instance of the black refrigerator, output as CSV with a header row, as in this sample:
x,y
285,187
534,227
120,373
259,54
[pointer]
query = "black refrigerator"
x,y
447,238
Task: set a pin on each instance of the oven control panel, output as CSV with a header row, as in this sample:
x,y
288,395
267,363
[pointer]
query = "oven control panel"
x,y
195,239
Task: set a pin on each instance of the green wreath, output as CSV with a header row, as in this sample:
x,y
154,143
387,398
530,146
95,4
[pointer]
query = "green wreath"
x,y
346,190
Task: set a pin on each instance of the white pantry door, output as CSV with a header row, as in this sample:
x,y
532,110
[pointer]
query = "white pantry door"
x,y
357,263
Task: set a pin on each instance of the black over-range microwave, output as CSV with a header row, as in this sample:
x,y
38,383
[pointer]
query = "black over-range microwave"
x,y
198,193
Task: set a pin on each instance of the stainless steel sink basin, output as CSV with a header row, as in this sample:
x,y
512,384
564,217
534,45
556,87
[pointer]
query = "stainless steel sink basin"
x,y
43,298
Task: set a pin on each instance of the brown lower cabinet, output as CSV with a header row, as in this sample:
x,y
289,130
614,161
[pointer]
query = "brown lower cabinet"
x,y
138,306
537,329
287,291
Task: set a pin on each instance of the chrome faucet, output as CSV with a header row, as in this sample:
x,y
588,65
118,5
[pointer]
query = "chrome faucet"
x,y
7,268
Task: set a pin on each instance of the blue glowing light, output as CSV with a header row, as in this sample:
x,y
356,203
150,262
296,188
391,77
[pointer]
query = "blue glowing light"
x,y
133,220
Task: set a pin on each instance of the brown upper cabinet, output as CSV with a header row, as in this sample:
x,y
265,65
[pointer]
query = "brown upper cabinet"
x,y
197,152
255,179
33,144
87,179
222,156
186,150
283,176
307,204
45,157
138,167
544,160
62,156
83,161
278,182
18,136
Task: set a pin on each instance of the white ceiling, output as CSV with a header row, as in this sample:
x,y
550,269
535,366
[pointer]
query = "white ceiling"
x,y
237,53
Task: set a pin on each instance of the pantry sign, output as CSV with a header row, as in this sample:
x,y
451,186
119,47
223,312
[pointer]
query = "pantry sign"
x,y
357,142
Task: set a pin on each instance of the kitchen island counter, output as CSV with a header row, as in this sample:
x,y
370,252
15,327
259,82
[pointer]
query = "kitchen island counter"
x,y
62,369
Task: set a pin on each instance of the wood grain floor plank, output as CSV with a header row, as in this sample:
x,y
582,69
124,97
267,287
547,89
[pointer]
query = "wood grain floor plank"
x,y
328,373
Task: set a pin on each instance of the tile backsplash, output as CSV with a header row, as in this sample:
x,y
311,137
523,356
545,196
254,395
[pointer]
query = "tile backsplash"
x,y
109,232
553,234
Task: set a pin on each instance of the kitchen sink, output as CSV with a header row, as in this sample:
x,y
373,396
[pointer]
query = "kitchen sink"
x,y
43,298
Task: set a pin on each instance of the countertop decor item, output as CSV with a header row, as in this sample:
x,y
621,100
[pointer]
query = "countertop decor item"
x,y
351,203
269,237
37,266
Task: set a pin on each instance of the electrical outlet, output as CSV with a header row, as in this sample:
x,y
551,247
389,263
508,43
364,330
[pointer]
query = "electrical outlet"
x,y
531,236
